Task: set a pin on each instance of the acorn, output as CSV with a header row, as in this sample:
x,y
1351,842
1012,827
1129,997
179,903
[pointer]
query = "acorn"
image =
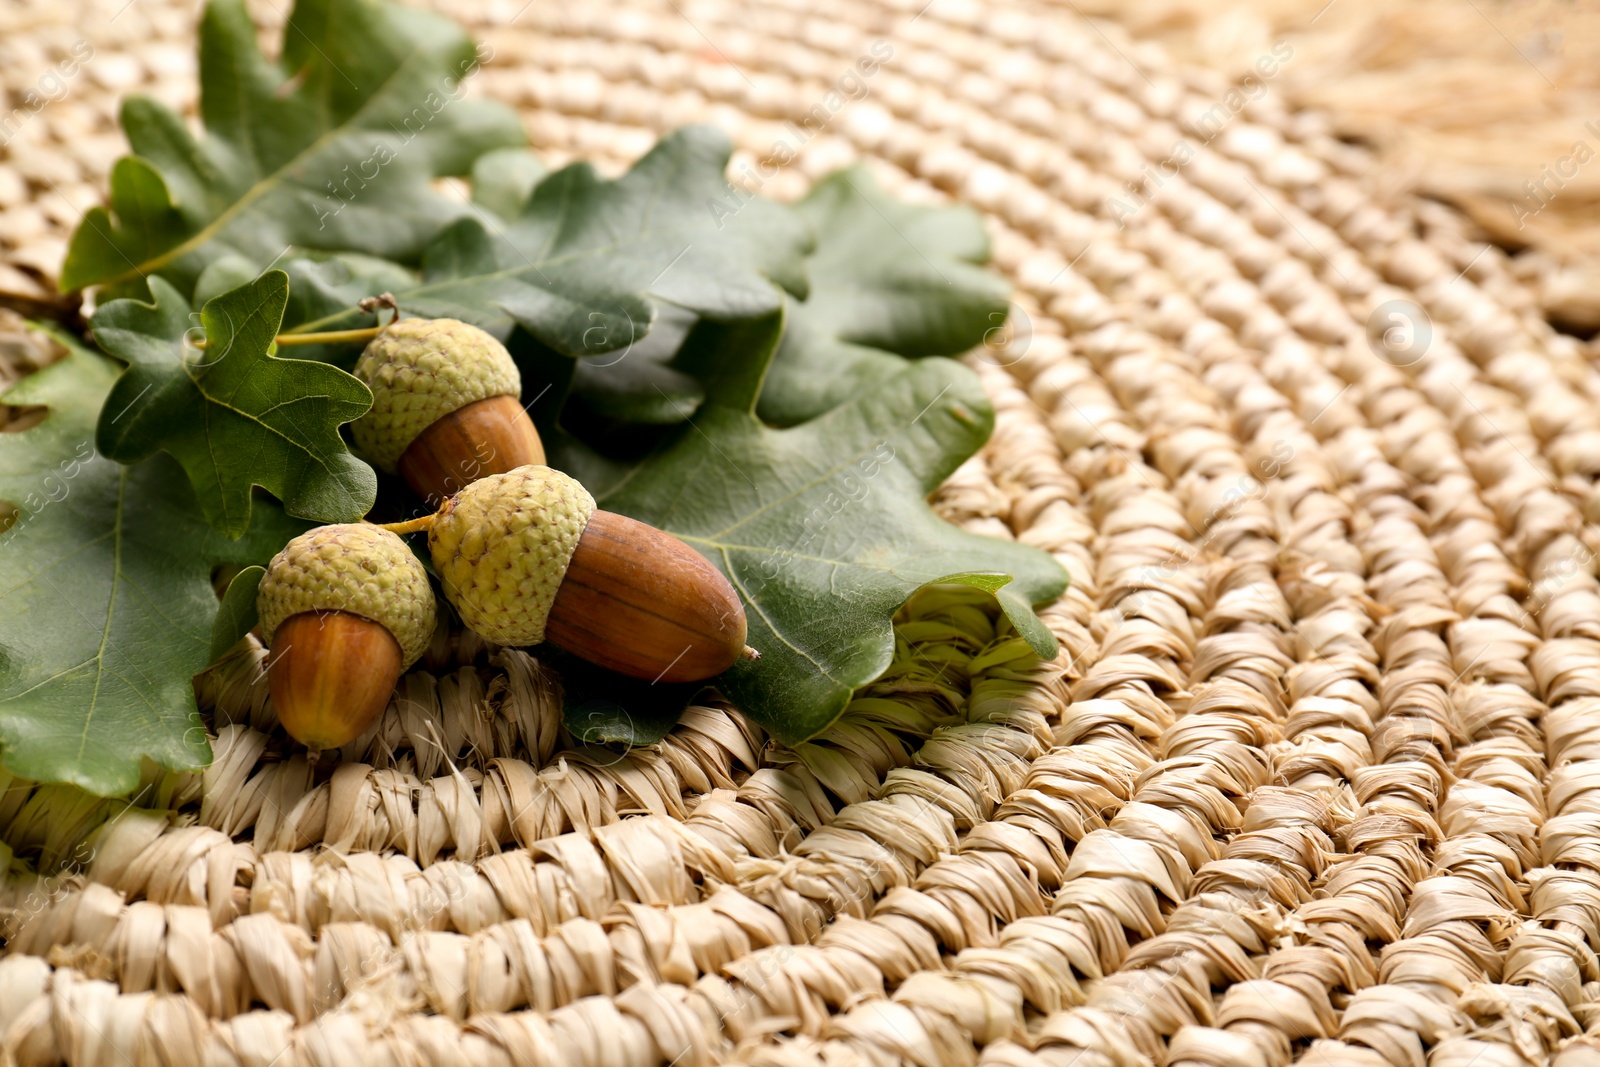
x,y
445,408
345,609
526,557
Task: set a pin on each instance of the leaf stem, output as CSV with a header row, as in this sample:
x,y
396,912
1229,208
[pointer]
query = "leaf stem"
x,y
331,337
410,527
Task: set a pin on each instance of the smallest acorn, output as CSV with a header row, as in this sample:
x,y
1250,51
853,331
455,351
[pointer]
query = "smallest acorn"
x,y
345,609
445,408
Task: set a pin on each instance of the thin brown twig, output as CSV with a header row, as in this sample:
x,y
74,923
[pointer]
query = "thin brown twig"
x,y
66,309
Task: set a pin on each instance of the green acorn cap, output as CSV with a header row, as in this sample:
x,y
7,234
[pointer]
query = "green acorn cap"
x,y
419,371
502,545
354,567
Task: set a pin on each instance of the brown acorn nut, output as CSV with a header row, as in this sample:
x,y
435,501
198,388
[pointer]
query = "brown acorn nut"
x,y
525,557
444,407
345,609
331,674
495,432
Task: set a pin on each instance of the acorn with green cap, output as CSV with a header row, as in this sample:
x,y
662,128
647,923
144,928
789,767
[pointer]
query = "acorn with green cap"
x,y
525,557
445,408
345,609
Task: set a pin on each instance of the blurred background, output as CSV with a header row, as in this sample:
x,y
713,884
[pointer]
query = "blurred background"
x,y
1490,105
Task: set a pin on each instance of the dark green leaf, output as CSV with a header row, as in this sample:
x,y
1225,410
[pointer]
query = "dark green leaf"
x,y
332,146
226,272
237,614
232,414
503,179
584,265
823,528
329,284
887,279
602,707
106,601
639,383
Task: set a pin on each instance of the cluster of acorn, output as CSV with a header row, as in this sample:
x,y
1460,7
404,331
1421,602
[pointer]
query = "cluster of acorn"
x,y
520,550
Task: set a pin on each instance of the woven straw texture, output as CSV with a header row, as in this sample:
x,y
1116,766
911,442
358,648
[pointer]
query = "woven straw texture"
x,y
1310,781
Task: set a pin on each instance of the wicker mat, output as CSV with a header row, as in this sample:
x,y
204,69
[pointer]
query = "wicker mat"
x,y
1311,781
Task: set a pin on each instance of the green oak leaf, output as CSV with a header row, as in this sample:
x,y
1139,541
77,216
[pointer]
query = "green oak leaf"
x,y
333,146
639,384
583,265
318,285
321,286
603,707
106,601
237,614
503,180
823,528
887,280
233,414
